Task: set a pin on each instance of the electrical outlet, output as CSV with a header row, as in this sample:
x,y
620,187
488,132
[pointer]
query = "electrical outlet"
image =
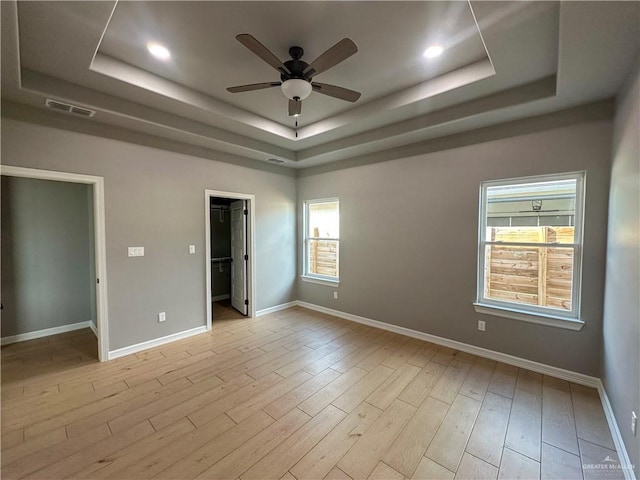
x,y
162,316
335,295
481,325
192,249
634,422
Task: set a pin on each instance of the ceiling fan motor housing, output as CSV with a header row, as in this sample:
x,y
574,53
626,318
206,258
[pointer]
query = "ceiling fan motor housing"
x,y
296,66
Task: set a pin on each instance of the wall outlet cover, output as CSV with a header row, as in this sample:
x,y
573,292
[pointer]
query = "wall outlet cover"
x,y
135,251
162,316
192,249
482,325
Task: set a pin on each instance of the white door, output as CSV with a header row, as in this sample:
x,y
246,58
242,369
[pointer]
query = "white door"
x,y
238,257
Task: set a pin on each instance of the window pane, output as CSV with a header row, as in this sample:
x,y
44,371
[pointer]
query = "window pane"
x,y
323,257
323,220
537,204
530,234
540,276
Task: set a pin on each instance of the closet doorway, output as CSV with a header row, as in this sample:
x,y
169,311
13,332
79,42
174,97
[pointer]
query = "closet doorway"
x,y
229,222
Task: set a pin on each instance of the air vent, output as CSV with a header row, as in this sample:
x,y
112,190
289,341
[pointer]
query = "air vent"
x,y
65,107
275,160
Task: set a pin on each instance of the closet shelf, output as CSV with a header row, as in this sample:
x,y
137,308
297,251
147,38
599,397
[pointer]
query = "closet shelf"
x,y
221,259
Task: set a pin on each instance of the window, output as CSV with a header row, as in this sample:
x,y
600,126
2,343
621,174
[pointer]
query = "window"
x,y
322,240
530,249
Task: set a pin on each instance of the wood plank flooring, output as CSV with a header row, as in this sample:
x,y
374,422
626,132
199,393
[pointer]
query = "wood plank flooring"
x,y
292,395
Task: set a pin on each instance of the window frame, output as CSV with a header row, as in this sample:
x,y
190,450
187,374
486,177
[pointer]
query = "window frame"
x,y
534,313
315,277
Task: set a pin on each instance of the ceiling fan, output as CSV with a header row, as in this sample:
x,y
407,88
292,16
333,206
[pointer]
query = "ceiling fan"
x,y
296,75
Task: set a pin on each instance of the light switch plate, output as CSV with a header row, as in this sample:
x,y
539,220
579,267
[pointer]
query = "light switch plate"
x,y
136,251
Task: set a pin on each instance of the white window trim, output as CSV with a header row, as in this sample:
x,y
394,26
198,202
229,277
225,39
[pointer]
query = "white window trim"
x,y
311,277
531,313
328,282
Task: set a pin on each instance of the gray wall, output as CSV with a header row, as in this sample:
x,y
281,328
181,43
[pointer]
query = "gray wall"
x,y
46,255
155,198
621,329
408,247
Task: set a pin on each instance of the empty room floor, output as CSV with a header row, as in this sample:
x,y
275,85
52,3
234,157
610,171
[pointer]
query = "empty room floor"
x,y
295,395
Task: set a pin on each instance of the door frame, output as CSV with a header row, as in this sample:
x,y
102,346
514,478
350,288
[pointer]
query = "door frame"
x,y
251,248
100,244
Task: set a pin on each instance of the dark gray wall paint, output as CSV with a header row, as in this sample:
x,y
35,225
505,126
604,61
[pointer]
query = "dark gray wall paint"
x,y
155,199
621,329
220,248
46,255
408,247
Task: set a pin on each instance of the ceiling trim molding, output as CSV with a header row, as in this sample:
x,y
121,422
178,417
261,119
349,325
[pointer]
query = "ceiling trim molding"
x,y
410,96
113,68
60,121
233,143
601,110
406,131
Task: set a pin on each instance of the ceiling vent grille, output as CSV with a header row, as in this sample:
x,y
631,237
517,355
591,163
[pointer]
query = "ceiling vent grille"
x,y
275,160
68,108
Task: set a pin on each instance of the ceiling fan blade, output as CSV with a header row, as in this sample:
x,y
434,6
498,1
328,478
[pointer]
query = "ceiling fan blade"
x,y
336,54
337,92
253,86
295,107
261,51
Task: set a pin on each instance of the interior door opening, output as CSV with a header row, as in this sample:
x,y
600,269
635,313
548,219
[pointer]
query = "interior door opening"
x,y
54,260
229,258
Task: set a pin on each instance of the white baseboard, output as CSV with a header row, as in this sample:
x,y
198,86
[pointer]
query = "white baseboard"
x,y
22,337
138,347
277,308
464,347
504,358
615,432
217,298
93,328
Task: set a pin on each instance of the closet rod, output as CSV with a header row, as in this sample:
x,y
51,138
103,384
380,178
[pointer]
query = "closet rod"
x,y
222,259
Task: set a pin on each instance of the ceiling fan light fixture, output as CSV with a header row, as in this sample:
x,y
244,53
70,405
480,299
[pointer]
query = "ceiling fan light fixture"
x,y
296,89
433,51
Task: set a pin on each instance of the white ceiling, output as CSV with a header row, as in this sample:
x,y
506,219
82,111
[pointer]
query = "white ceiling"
x,y
503,61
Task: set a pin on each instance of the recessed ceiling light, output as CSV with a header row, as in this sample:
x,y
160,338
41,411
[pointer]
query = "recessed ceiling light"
x,y
433,51
159,51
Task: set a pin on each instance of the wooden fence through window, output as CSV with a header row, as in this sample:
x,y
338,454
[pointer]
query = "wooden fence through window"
x,y
532,275
323,256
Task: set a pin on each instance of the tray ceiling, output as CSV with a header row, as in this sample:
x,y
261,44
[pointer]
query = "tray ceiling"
x,y
501,60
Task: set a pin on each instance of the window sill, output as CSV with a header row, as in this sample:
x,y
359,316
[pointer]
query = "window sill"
x,y
549,320
320,281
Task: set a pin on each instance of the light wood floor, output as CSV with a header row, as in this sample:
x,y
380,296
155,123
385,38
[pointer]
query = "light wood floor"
x,y
223,311
293,395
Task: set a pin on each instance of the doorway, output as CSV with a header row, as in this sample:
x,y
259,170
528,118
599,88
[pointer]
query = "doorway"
x,y
229,242
95,238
